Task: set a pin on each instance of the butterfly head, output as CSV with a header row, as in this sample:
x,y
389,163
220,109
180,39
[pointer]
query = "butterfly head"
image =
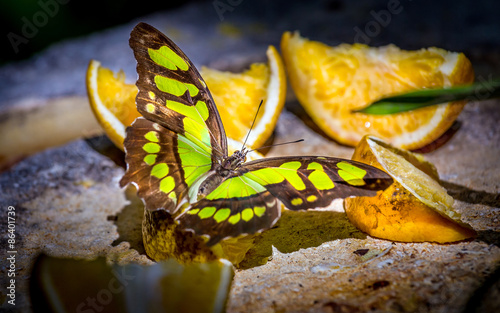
x,y
235,160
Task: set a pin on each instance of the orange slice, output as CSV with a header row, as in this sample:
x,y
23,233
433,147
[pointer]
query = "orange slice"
x,y
330,82
237,96
112,101
415,208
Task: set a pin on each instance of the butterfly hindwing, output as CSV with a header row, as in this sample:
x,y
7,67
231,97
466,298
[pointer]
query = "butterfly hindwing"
x,y
250,201
232,216
162,164
172,93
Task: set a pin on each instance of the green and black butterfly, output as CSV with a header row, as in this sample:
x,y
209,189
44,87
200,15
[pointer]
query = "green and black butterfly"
x,y
177,155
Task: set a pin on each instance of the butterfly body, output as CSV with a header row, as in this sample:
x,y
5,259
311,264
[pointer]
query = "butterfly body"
x,y
177,156
223,170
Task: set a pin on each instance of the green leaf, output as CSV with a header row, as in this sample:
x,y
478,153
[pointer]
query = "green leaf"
x,y
426,97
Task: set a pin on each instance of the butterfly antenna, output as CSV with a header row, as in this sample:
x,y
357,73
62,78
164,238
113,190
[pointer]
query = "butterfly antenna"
x,y
254,119
278,144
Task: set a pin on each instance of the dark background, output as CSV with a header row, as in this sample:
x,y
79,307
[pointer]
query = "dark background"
x,y
461,25
74,18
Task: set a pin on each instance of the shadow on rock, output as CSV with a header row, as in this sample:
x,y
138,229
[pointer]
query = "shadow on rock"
x,y
489,236
300,230
129,222
472,196
106,147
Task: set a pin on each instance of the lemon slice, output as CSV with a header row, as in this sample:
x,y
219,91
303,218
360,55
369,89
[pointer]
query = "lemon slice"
x,y
237,97
331,82
415,208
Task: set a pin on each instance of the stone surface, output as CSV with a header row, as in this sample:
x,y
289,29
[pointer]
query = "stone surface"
x,y
68,203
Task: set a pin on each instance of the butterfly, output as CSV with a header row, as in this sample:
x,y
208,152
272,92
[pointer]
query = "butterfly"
x,y
177,156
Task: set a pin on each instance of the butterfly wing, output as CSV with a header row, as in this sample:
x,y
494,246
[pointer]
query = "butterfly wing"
x,y
162,164
249,201
182,137
306,182
172,92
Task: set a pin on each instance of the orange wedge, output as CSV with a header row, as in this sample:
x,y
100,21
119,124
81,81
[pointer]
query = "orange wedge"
x,y
331,82
415,208
112,101
237,96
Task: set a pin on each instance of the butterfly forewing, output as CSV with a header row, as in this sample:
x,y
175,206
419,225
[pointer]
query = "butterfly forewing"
x,y
309,182
172,92
182,136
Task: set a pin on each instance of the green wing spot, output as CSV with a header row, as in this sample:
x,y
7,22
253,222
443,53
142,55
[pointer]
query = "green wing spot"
x,y
150,159
202,83
236,187
167,184
311,198
207,212
222,215
247,214
160,170
197,133
173,197
193,211
353,175
198,113
319,178
150,108
259,210
151,95
234,218
194,124
289,171
175,87
193,90
315,166
265,176
151,147
294,165
152,136
269,176
195,163
202,109
297,201
167,58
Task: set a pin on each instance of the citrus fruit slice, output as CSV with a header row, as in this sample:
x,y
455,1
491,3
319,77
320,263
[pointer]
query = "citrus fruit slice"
x,y
237,96
57,285
415,208
331,82
112,101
